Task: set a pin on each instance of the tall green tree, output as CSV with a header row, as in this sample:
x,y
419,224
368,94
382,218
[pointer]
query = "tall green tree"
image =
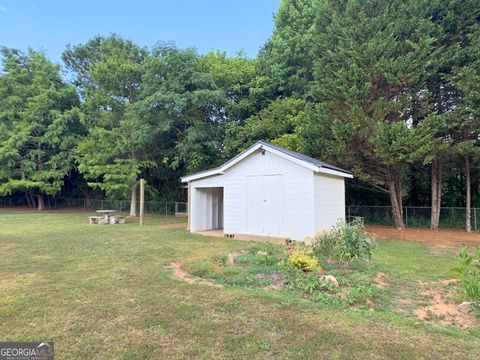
x,y
246,90
466,120
434,105
290,53
39,126
372,58
182,110
108,73
279,122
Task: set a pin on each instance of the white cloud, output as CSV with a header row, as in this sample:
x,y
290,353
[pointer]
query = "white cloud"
x,y
3,8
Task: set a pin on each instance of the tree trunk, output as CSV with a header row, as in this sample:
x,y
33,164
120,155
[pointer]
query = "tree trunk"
x,y
395,191
436,193
32,201
29,203
468,225
133,201
41,202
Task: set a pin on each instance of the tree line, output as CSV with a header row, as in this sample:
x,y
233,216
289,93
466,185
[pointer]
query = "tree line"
x,y
388,89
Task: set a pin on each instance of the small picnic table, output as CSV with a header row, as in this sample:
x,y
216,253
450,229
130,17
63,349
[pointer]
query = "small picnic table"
x,y
107,213
107,218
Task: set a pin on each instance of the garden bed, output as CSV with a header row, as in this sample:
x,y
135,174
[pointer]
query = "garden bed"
x,y
265,266
340,270
360,286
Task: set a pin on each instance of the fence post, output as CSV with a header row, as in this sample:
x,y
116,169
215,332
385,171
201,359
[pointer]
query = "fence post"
x,y
166,208
176,208
406,216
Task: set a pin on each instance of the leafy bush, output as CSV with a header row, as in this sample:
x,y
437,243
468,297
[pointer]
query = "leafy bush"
x,y
468,272
303,260
359,295
346,242
307,283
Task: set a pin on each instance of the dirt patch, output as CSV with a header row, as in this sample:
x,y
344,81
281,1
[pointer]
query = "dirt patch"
x,y
180,273
441,311
435,303
381,280
442,239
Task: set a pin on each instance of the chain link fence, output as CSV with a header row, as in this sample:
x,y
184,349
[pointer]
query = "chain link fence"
x,y
415,216
151,207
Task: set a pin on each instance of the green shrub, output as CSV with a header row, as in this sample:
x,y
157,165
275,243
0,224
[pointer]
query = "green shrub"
x,y
307,283
468,272
346,242
359,295
265,259
360,289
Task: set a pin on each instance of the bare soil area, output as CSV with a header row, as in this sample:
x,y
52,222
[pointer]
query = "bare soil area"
x,y
181,274
440,307
443,239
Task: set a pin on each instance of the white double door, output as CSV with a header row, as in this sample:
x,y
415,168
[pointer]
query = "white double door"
x,y
265,205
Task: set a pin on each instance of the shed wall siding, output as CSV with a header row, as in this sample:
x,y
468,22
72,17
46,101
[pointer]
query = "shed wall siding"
x,y
329,201
298,209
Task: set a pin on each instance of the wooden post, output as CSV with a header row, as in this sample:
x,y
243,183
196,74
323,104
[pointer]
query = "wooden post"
x,y
142,200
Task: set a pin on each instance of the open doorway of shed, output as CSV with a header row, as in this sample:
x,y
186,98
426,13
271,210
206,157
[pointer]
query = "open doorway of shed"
x,y
209,210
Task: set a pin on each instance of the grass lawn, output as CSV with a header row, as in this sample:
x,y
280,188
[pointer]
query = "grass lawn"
x,y
101,292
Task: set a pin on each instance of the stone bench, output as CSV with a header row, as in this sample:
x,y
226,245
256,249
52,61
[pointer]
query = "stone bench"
x,y
97,220
117,219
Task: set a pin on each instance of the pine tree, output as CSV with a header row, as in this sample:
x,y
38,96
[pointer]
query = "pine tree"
x,y
372,58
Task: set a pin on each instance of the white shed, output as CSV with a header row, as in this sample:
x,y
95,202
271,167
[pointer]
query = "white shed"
x,y
267,191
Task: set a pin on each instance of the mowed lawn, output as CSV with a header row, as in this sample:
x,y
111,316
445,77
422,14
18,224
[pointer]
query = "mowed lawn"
x,y
101,292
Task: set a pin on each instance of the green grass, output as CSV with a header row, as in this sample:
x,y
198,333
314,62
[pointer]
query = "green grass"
x,y
102,292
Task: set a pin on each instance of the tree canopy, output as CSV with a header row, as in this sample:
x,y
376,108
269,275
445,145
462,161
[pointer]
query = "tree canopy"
x,y
40,126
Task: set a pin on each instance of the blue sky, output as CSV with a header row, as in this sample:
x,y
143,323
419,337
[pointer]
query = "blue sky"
x,y
50,25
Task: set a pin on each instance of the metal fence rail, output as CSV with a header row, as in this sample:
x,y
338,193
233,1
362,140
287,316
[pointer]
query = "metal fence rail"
x,y
414,216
